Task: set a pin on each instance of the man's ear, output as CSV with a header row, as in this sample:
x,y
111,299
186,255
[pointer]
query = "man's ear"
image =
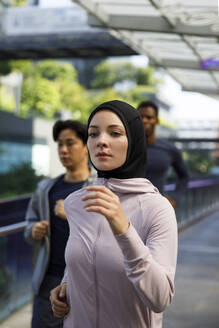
x,y
86,149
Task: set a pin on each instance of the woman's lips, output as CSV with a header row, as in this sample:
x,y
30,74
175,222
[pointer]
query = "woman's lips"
x,y
102,155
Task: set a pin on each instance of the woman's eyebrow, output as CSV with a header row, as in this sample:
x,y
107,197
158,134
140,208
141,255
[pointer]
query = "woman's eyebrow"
x,y
110,126
115,126
93,126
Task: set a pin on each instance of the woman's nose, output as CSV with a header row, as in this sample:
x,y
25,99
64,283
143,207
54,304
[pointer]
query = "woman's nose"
x,y
102,140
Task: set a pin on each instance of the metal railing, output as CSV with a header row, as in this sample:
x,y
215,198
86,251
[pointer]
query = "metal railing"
x,y
200,199
15,256
12,228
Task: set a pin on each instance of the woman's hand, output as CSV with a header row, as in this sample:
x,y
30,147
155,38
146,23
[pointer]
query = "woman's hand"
x,y
58,301
102,200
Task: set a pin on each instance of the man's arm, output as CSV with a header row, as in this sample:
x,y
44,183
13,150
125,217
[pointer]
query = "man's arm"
x,y
36,228
182,172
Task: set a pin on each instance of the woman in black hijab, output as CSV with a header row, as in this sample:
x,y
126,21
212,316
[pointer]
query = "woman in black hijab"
x,y
121,253
134,166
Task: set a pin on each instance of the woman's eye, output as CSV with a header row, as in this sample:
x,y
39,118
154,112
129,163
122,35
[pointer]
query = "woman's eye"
x,y
115,134
92,134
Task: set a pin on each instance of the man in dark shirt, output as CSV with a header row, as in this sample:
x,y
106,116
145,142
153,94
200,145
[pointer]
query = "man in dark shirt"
x,y
161,154
47,228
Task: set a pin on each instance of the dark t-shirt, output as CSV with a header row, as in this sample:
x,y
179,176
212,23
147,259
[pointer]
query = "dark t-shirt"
x,y
160,156
59,227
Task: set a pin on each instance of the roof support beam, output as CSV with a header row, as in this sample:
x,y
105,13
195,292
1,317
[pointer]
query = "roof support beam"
x,y
152,24
209,92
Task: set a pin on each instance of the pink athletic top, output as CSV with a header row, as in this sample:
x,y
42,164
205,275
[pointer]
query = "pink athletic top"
x,y
123,281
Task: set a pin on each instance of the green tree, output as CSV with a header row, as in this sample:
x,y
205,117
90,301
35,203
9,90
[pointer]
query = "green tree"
x,y
48,87
9,66
21,179
5,68
14,3
75,98
40,97
109,73
135,95
146,76
98,97
54,70
199,162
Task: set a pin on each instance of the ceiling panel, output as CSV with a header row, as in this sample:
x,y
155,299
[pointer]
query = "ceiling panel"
x,y
182,36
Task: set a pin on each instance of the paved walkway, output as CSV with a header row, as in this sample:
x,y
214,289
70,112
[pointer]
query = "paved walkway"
x,y
19,319
196,303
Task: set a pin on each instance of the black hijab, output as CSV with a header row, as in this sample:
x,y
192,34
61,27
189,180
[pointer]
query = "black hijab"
x,y
135,164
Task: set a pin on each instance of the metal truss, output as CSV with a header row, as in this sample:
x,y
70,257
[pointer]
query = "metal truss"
x,y
180,36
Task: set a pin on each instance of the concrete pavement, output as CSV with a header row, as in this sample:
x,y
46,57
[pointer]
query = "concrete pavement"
x,y
196,302
19,319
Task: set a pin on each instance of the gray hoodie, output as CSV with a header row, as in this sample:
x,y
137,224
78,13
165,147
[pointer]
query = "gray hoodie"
x,y
123,281
38,210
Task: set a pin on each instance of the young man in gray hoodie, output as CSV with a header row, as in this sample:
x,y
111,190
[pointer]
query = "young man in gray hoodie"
x,y
47,228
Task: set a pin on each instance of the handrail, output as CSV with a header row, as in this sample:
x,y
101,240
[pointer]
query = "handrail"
x,y
16,227
6,230
194,184
11,199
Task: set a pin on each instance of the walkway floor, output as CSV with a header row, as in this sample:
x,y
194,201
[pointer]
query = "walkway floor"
x,y
197,281
196,302
19,319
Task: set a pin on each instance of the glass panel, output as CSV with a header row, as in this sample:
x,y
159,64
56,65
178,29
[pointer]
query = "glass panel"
x,y
13,153
15,273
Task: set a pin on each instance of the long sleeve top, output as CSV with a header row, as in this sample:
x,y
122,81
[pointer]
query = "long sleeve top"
x,y
160,157
125,280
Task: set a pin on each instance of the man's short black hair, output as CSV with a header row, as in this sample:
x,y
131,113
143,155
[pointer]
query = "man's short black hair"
x,y
79,128
148,103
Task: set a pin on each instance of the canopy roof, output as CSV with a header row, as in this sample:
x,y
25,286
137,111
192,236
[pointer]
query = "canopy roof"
x,y
34,32
179,35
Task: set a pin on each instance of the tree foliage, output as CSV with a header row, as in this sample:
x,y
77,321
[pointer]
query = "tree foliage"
x,y
41,96
109,73
48,87
21,179
200,162
9,66
14,3
5,68
51,86
57,71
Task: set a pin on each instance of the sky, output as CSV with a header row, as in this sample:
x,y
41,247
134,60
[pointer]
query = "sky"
x,y
55,3
190,105
185,105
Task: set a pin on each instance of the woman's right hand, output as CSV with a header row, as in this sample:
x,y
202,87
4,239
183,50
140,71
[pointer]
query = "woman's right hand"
x,y
59,301
39,230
